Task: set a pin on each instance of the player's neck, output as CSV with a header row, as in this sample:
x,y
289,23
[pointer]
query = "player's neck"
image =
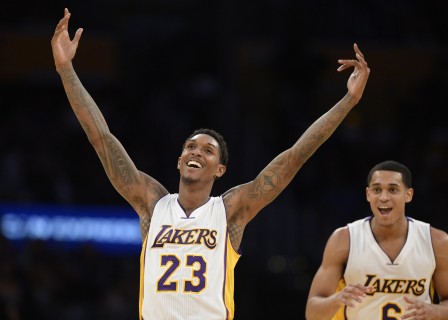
x,y
192,197
396,230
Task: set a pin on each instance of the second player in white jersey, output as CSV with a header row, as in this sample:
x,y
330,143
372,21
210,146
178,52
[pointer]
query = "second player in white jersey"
x,y
384,267
406,275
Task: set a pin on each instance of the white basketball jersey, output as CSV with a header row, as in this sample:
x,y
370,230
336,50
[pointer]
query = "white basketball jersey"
x,y
187,263
410,274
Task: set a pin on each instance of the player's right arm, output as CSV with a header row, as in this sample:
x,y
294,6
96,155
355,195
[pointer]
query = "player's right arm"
x,y
139,189
323,300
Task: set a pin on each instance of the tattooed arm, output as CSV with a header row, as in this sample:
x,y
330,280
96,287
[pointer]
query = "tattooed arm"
x,y
139,189
245,201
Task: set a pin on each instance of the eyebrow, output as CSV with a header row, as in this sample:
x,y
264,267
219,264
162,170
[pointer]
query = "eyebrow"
x,y
390,184
208,143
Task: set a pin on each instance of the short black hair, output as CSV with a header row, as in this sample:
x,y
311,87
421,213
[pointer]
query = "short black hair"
x,y
391,165
224,154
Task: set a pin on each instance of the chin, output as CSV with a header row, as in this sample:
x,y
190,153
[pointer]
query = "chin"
x,y
188,180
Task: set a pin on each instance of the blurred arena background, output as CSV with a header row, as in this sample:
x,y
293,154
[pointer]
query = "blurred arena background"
x,y
260,72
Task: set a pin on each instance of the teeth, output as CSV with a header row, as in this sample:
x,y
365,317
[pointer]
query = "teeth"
x,y
193,163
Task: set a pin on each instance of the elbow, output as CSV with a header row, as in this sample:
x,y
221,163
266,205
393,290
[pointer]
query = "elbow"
x,y
308,313
313,311
95,141
99,139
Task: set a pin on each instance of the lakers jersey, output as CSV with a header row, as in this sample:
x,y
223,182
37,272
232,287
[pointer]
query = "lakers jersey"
x,y
409,274
187,263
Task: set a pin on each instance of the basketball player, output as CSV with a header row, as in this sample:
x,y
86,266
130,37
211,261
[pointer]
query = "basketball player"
x,y
386,266
191,240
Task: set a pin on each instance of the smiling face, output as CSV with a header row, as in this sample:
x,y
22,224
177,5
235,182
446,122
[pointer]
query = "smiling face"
x,y
388,195
200,160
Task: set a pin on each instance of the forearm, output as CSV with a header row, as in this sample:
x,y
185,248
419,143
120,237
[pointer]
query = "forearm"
x,y
319,308
293,159
84,107
320,131
274,178
442,310
119,168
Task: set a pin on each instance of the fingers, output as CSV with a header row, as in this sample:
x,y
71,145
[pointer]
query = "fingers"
x,y
347,64
357,51
63,26
353,293
63,23
359,63
78,35
360,55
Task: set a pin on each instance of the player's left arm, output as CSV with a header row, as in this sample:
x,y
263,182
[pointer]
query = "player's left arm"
x,y
246,200
420,310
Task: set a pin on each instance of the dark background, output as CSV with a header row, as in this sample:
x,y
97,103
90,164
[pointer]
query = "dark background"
x,y
259,72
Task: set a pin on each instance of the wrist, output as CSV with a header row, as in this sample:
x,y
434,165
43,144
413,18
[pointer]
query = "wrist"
x,y
63,67
352,99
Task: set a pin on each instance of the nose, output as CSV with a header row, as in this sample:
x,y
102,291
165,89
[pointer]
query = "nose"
x,y
195,152
384,196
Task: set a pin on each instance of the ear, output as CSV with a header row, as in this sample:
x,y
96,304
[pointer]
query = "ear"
x,y
178,163
221,170
367,194
409,195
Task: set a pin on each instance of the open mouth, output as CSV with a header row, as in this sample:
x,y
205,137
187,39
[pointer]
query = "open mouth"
x,y
384,210
194,164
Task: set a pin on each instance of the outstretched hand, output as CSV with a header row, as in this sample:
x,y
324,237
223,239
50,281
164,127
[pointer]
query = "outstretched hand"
x,y
358,79
64,49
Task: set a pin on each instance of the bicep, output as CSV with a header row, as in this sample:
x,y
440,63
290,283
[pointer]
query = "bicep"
x,y
117,164
325,281
331,270
138,188
440,243
271,181
247,200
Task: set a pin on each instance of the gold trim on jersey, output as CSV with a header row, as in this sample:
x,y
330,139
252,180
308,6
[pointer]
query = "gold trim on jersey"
x,y
232,258
142,277
340,315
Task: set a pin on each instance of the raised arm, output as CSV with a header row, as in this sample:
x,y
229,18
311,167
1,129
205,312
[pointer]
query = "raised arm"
x,y
139,189
245,201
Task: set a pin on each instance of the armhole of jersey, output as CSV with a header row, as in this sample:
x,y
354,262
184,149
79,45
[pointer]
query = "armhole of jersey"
x,y
350,248
431,244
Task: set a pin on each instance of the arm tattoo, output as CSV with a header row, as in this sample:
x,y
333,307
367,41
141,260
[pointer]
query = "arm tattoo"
x,y
155,191
119,167
82,103
235,228
120,163
268,182
235,234
144,226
